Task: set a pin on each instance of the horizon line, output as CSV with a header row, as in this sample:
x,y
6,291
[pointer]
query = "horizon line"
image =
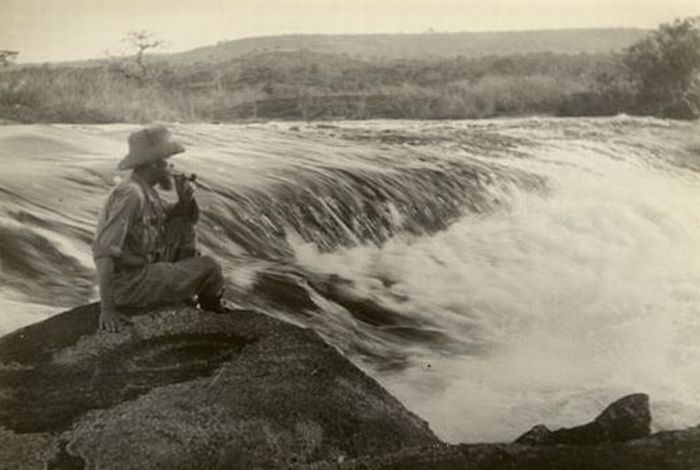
x,y
293,34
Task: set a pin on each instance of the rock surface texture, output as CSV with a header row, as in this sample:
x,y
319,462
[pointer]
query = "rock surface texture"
x,y
186,389
673,450
183,389
627,418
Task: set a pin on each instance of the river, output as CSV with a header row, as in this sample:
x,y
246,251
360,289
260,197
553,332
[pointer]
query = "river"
x,y
507,272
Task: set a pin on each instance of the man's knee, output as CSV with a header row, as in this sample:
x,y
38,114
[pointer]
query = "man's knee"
x,y
211,264
213,270
212,289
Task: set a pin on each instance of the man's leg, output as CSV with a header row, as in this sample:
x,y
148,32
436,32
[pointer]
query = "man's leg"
x,y
180,239
181,244
179,276
167,283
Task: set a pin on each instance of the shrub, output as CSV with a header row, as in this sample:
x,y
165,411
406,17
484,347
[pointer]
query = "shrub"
x,y
664,67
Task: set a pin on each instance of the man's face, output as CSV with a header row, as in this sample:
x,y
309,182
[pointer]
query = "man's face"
x,y
163,177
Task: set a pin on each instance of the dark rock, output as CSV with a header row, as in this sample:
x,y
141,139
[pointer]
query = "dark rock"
x,y
627,418
342,292
283,288
36,343
671,450
186,389
65,461
538,435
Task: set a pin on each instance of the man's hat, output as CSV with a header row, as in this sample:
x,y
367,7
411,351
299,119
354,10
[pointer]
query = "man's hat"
x,y
149,145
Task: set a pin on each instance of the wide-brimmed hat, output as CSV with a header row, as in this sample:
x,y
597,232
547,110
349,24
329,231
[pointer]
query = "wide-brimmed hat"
x,y
149,145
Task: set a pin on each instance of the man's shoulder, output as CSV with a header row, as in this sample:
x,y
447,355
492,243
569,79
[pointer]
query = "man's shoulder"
x,y
128,187
127,191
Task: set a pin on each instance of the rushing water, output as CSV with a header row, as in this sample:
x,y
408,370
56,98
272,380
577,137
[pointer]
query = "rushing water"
x,y
493,275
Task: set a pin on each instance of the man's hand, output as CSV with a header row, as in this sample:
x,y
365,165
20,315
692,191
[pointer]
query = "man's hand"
x,y
187,205
112,321
184,188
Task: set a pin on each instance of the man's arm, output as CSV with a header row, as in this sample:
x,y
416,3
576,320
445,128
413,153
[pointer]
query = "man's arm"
x,y
186,206
110,318
122,207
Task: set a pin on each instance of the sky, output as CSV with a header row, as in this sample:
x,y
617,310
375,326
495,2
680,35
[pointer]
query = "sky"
x,y
59,30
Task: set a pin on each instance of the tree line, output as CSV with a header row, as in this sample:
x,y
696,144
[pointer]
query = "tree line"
x,y
658,76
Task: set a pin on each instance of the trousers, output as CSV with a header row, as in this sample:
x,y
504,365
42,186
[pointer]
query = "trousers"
x,y
177,276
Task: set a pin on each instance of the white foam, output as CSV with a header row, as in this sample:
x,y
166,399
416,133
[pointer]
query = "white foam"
x,y
555,307
574,299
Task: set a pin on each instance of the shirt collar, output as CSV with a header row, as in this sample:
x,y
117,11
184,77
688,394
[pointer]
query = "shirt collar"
x,y
138,179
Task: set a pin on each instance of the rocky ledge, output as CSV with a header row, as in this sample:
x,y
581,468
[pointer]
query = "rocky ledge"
x,y
617,439
183,389
186,389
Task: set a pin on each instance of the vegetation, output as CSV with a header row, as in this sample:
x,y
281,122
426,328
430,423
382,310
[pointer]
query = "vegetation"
x,y
429,44
299,85
135,67
7,57
665,68
657,75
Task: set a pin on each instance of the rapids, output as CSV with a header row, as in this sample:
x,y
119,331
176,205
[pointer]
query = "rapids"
x,y
491,274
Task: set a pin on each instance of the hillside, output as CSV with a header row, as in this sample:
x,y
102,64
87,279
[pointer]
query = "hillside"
x,y
303,85
311,77
468,45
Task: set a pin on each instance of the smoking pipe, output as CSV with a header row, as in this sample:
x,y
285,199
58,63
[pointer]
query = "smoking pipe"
x,y
186,176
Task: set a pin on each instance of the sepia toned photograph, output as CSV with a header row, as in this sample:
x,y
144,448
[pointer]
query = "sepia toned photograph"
x,y
350,234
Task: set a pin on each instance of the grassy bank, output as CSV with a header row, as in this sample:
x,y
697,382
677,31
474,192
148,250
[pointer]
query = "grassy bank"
x,y
311,86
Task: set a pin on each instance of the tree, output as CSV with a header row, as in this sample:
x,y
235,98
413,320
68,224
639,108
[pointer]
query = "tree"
x,y
141,41
665,67
7,57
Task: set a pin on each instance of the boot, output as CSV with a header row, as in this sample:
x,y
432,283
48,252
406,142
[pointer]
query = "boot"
x,y
213,304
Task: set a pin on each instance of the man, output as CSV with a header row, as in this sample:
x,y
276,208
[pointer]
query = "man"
x,y
144,249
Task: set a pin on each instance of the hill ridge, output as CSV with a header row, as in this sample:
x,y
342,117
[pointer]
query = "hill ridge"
x,y
417,45
468,44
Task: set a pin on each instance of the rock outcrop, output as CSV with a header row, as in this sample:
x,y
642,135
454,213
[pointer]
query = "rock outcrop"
x,y
186,389
182,389
627,418
672,450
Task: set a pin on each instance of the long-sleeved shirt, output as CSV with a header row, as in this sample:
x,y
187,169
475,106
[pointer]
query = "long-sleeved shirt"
x,y
131,225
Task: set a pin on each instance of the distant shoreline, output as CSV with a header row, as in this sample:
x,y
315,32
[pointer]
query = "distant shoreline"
x,y
430,76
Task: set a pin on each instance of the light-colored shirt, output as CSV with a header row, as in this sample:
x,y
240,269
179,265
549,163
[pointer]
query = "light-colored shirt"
x,y
131,225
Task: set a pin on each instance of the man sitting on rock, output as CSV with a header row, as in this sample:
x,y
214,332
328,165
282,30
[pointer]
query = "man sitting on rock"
x,y
144,248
